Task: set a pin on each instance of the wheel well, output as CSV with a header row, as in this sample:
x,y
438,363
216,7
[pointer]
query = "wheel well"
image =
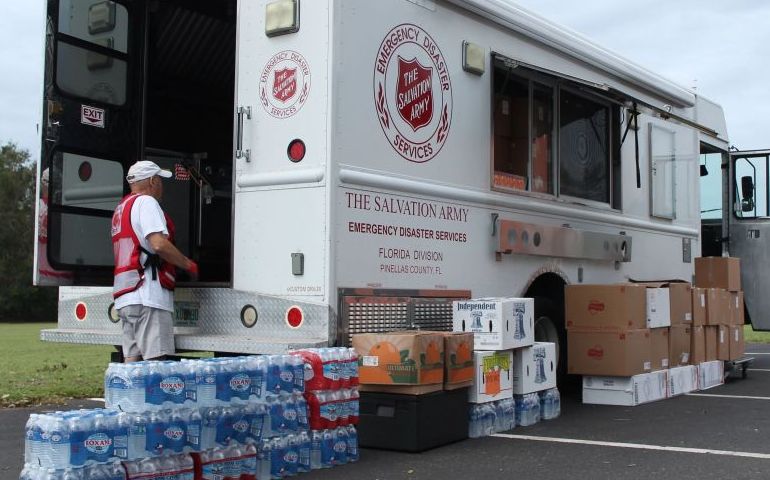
x,y
550,286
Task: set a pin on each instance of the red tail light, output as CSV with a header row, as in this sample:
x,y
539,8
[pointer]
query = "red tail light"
x,y
294,317
296,150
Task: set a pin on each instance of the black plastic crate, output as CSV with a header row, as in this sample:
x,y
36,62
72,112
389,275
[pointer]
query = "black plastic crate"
x,y
413,423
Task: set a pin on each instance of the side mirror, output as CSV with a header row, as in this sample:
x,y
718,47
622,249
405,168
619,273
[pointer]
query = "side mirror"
x,y
747,193
703,171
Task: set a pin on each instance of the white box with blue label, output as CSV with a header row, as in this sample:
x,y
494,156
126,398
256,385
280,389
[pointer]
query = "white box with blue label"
x,y
534,368
496,323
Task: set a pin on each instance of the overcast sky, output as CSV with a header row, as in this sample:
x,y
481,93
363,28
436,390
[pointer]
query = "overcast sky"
x,y
720,47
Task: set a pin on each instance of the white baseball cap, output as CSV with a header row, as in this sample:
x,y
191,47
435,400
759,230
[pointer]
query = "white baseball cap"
x,y
144,169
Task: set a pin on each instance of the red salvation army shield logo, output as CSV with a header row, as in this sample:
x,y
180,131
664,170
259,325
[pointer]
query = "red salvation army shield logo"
x,y
413,93
284,84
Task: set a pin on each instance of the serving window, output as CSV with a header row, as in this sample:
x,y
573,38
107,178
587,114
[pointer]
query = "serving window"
x,y
552,136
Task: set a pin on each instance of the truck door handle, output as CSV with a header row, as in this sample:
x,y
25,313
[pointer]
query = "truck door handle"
x,y
239,152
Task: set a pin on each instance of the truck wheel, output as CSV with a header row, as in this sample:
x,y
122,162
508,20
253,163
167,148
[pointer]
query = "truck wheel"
x,y
549,327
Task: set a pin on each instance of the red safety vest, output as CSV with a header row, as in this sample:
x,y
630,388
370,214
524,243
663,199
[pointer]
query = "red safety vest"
x,y
129,272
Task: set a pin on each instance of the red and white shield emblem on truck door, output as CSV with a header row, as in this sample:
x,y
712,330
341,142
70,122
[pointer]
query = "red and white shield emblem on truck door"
x,y
285,84
414,93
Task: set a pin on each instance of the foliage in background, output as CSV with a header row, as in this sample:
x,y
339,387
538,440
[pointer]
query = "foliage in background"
x,y
35,372
19,300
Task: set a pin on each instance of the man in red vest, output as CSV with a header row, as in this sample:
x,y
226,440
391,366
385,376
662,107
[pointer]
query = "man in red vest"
x,y
145,266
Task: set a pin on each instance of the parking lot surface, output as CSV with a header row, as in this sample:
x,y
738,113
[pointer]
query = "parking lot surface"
x,y
719,433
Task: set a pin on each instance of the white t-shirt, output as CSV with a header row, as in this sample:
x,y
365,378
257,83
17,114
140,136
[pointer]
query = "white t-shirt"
x,y
146,218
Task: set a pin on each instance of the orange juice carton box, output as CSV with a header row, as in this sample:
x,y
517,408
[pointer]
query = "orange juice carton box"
x,y
400,358
458,360
534,368
496,323
493,379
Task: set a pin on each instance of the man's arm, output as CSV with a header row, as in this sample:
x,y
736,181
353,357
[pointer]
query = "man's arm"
x,y
168,252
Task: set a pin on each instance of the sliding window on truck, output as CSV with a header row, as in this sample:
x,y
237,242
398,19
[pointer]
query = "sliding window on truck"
x,y
553,137
130,80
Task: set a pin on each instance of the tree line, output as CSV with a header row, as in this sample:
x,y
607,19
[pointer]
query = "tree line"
x,y
20,301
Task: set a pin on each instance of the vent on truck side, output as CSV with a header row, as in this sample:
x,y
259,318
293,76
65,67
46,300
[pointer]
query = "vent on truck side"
x,y
375,314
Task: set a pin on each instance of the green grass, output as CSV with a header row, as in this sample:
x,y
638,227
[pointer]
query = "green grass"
x,y
34,372
755,337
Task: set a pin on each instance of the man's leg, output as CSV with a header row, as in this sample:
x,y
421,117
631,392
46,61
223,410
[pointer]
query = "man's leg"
x,y
155,333
130,315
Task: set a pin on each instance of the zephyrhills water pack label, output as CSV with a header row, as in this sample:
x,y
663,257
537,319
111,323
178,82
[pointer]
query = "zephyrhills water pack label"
x,y
496,323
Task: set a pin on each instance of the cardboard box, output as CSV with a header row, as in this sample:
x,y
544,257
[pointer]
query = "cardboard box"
x,y
679,345
718,272
680,296
717,307
698,345
626,391
711,334
402,389
606,307
658,307
682,380
699,306
534,368
400,358
659,345
494,377
458,360
711,374
737,345
736,309
621,354
496,323
723,342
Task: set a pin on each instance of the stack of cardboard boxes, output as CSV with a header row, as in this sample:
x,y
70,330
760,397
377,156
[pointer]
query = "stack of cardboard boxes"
x,y
508,361
636,343
414,388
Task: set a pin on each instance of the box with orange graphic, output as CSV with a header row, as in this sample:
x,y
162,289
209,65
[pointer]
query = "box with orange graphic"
x,y
493,376
400,358
458,360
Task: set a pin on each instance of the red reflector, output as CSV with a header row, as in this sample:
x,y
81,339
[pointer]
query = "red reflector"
x,y
84,171
81,311
294,317
296,150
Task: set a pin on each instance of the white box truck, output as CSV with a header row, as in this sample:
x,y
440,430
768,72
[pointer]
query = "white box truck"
x,y
346,166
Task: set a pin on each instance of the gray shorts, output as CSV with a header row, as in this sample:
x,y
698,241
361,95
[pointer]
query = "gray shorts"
x,y
147,332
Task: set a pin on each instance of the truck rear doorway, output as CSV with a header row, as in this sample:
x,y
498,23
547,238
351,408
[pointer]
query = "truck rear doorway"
x,y
189,87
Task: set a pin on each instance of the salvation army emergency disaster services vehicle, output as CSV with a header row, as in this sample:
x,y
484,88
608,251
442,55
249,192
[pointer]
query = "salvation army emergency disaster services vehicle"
x,y
345,166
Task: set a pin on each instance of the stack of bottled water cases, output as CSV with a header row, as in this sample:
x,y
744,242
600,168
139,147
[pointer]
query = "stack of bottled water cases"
x,y
331,392
101,471
521,410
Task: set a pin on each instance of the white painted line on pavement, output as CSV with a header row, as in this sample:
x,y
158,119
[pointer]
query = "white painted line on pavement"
x,y
757,353
638,446
758,369
95,399
747,397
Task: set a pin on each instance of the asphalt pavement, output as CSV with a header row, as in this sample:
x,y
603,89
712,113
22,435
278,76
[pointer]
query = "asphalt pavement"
x,y
720,433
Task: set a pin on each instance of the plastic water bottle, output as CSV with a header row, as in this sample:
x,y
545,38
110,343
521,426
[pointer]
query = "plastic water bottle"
x,y
265,457
490,419
316,439
258,420
29,437
137,436
535,411
120,438
59,442
298,372
194,421
341,446
137,393
80,429
154,396
354,406
242,424
473,421
343,407
224,373
291,455
189,370
327,448
287,373
249,463
225,431
303,448
240,382
303,423
257,368
273,376
277,452
209,421
156,427
353,454
510,414
206,380
290,422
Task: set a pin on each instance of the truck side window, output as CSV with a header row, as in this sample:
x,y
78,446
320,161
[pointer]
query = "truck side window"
x,y
751,194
